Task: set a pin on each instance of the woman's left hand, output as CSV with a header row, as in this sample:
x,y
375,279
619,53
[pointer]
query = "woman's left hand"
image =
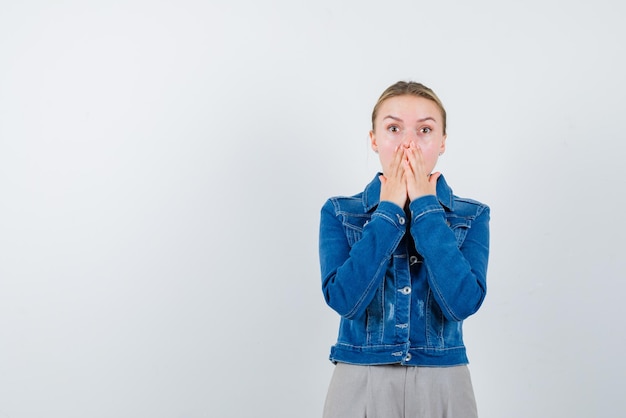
x,y
419,181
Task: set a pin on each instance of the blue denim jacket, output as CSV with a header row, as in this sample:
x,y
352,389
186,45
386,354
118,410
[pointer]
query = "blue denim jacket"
x,y
403,296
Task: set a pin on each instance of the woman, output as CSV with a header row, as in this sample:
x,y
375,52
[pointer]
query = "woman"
x,y
404,263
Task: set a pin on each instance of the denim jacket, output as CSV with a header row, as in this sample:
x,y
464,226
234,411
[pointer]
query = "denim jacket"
x,y
403,282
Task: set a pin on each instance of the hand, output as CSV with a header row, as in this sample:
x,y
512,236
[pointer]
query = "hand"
x,y
393,182
419,182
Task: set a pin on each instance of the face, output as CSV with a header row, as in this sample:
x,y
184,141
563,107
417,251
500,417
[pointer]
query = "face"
x,y
405,119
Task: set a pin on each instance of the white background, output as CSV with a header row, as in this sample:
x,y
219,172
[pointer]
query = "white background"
x,y
163,163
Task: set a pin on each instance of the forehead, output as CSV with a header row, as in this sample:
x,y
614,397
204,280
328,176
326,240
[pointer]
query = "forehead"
x,y
409,107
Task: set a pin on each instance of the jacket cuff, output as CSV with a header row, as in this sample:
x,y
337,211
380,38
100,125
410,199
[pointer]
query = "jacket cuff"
x,y
423,206
392,213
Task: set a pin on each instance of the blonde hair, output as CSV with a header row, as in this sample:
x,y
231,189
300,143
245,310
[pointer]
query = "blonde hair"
x,y
411,88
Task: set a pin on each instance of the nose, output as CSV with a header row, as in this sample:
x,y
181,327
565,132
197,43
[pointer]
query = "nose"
x,y
409,136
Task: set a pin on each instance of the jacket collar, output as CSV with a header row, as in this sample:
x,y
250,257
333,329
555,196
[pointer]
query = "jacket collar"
x,y
371,194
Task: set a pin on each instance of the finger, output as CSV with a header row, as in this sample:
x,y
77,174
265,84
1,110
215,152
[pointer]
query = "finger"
x,y
418,161
408,166
413,157
433,177
397,162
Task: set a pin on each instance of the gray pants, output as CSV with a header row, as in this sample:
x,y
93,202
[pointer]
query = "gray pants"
x,y
396,391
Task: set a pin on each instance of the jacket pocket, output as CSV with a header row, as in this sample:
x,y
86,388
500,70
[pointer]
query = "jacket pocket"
x,y
440,332
353,226
353,234
374,318
459,226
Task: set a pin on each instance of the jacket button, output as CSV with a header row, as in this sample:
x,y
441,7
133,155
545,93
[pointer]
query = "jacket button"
x,y
406,290
413,259
401,220
408,357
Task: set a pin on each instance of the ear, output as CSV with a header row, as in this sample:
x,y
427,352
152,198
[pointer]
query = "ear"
x,y
373,142
442,148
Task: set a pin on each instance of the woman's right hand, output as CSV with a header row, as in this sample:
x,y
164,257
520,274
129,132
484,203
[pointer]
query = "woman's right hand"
x,y
393,184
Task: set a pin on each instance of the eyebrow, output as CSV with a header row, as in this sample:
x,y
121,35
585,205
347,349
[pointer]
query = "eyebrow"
x,y
400,120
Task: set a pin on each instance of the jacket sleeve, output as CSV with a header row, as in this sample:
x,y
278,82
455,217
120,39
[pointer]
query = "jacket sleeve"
x,y
457,276
352,274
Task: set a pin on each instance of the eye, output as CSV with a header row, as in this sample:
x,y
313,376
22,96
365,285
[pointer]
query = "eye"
x,y
393,129
426,130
